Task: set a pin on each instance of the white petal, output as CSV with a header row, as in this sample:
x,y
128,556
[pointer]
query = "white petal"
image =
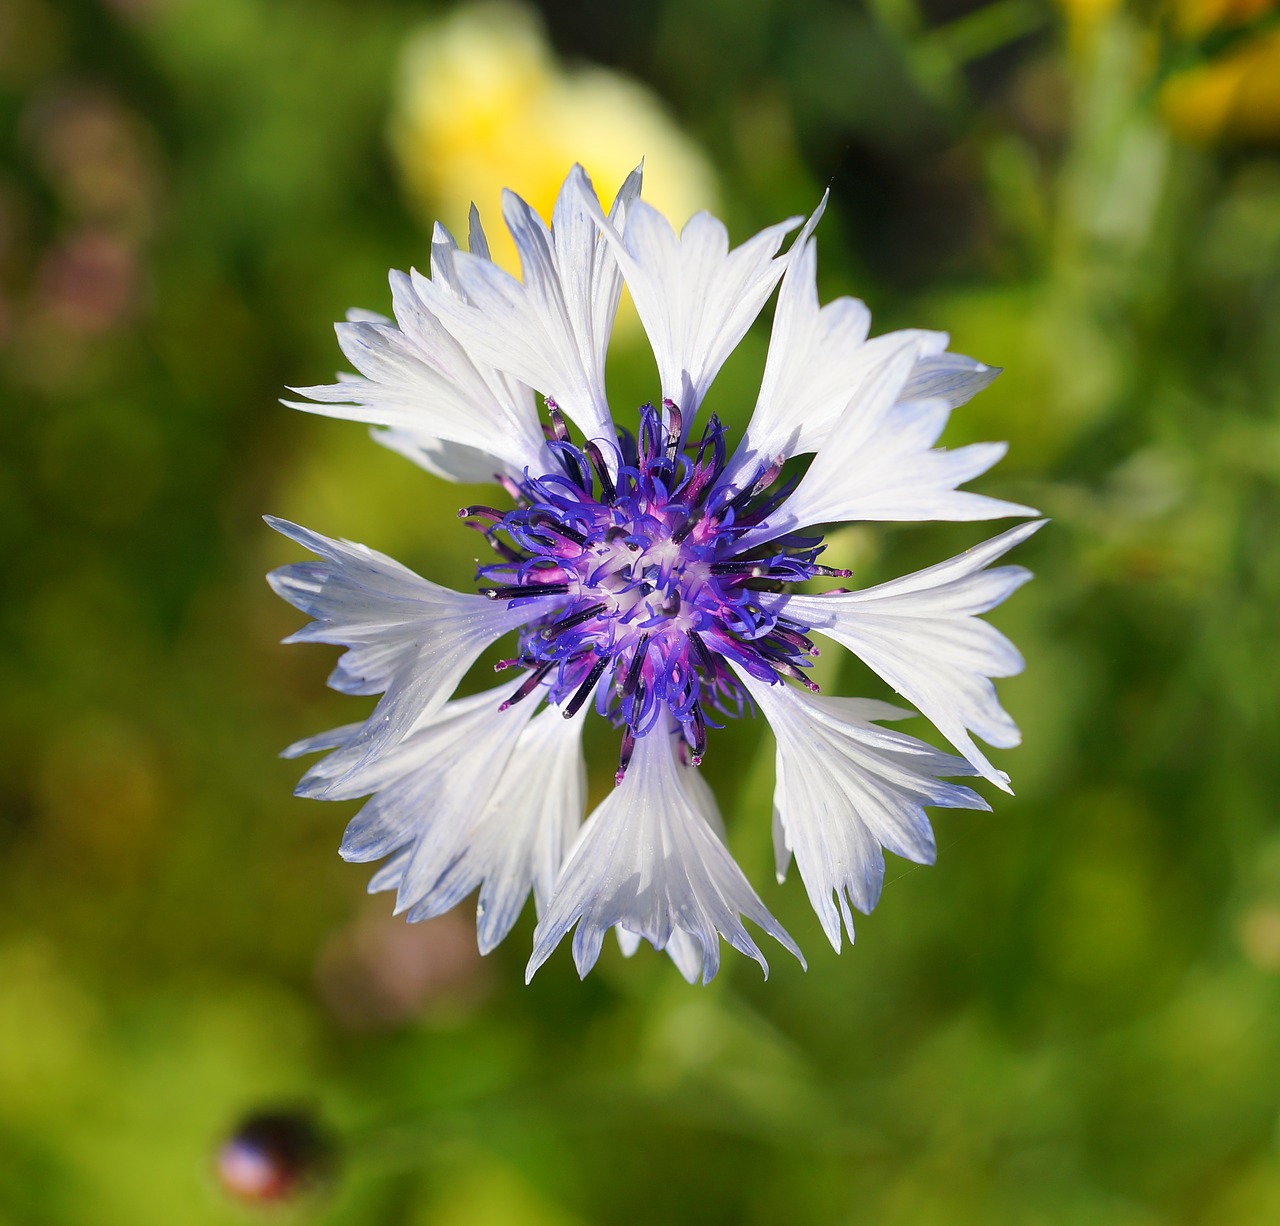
x,y
452,461
682,949
389,875
648,861
819,361
878,463
589,273
358,315
408,638
922,635
433,793
458,740
700,795
948,376
846,788
552,329
479,797
816,356
322,741
695,297
417,379
531,821
898,475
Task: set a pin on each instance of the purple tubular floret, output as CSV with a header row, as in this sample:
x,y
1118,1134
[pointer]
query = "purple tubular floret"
x,y
657,596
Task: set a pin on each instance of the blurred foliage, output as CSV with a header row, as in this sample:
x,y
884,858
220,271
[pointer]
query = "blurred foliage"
x,y
1070,1020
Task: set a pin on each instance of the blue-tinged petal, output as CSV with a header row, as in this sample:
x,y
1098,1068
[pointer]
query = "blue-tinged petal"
x,y
322,741
948,376
648,861
476,797
682,949
441,458
879,463
846,789
418,380
528,826
429,790
550,329
921,634
695,296
408,638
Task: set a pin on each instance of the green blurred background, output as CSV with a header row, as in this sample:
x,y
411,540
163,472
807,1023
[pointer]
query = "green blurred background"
x,y
1073,1018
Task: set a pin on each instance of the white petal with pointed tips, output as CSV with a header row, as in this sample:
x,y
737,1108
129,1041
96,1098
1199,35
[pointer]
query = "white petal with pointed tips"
x,y
846,789
407,638
648,861
921,633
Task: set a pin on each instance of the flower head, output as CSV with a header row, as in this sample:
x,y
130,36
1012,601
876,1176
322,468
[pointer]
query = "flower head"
x,y
646,571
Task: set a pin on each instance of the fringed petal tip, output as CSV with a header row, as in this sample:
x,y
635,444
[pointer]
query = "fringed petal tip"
x,y
649,861
334,738
278,524
697,964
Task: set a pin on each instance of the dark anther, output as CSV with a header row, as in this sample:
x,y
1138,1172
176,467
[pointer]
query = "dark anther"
x,y
541,519
608,491
767,477
574,619
584,690
790,670
675,426
699,733
559,431
679,535
624,754
752,569
732,504
527,686
517,591
632,678
702,654
831,572
502,549
794,639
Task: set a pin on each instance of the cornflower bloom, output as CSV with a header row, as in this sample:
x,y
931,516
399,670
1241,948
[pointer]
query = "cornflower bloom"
x,y
647,575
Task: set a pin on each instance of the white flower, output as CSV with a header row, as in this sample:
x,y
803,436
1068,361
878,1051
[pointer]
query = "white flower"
x,y
647,575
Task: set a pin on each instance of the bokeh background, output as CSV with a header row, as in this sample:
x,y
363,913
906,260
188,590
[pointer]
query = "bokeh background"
x,y
1073,1018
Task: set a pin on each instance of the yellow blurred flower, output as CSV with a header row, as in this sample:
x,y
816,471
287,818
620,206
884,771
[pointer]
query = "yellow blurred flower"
x,y
1231,88
1196,17
484,105
1235,95
1086,17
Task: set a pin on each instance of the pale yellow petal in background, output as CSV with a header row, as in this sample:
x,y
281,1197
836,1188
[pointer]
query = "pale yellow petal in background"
x,y
483,104
1235,96
1196,17
1086,17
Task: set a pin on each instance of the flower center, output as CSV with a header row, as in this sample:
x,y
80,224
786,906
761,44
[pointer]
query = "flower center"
x,y
657,597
